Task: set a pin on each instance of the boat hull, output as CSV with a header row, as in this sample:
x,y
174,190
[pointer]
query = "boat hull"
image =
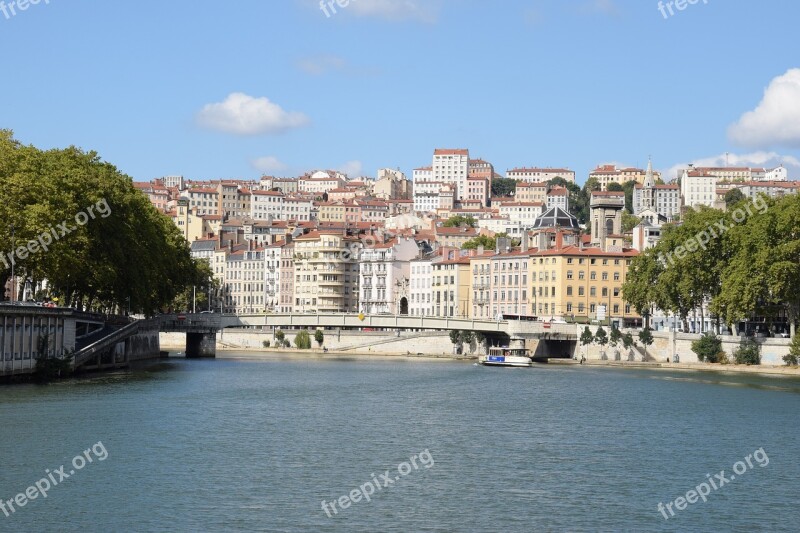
x,y
508,360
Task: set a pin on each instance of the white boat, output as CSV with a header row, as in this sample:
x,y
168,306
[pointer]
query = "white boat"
x,y
505,356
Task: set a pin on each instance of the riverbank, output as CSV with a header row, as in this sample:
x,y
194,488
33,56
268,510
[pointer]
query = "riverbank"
x,y
227,353
770,370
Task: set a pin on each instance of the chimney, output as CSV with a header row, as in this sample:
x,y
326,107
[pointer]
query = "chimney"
x,y
525,245
221,243
480,249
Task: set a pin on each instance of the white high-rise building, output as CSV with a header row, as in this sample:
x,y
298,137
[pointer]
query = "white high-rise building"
x,y
452,166
698,187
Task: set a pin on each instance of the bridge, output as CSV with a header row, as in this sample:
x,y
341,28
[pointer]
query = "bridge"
x,y
97,342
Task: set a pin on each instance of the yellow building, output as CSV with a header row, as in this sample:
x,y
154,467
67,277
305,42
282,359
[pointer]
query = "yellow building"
x,y
451,286
191,225
562,276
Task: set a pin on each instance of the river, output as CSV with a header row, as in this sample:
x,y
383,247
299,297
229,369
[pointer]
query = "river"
x,y
281,443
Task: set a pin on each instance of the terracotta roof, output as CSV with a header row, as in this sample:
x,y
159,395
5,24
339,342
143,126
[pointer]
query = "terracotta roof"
x,y
451,151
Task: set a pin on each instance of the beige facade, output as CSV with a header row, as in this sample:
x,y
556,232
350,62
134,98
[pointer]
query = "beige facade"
x,y
326,272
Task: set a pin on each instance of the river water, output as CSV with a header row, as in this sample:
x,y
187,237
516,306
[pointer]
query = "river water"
x,y
246,444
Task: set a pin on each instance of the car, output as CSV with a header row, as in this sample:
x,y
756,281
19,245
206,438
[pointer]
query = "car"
x,y
207,312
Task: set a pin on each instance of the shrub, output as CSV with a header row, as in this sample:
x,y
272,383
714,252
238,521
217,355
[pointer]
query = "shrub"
x,y
286,343
265,344
319,337
708,348
600,336
302,340
454,336
279,336
748,353
793,356
586,336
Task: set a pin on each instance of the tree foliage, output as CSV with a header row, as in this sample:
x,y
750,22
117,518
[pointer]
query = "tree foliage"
x,y
793,356
708,348
302,340
503,186
127,254
601,337
319,336
733,197
460,220
748,352
586,336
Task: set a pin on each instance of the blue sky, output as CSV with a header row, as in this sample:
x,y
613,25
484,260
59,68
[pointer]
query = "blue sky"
x,y
236,89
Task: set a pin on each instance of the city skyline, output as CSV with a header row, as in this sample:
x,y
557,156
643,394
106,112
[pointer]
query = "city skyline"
x,y
297,90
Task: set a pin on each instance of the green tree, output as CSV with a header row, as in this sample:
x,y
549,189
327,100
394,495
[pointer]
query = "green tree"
x,y
302,340
627,341
123,253
586,338
503,186
733,197
279,336
748,352
319,336
642,288
708,348
489,243
793,356
629,222
615,187
601,337
628,187
460,220
646,338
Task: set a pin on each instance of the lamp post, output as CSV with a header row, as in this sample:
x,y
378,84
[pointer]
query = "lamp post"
x,y
13,283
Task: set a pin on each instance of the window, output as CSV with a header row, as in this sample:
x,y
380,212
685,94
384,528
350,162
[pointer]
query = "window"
x,y
569,290
593,275
581,292
593,292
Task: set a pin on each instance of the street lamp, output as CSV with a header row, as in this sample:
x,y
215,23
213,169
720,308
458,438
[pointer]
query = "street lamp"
x,y
13,284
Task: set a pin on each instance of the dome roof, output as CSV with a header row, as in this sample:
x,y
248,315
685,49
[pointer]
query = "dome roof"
x,y
555,217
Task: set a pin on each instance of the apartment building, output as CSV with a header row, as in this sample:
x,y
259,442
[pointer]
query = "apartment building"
x,y
384,271
421,285
531,192
607,174
479,191
243,278
298,208
326,272
450,286
286,277
540,175
558,197
452,166
266,205
698,188
204,199
191,225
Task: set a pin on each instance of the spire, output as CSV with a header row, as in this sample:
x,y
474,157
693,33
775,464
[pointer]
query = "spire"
x,y
648,177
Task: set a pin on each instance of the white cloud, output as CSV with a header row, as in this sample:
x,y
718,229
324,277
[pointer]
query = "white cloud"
x,y
317,66
268,164
242,114
767,160
351,168
606,7
327,64
776,120
392,10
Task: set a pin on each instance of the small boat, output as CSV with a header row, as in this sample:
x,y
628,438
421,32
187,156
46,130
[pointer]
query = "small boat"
x,y
505,356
